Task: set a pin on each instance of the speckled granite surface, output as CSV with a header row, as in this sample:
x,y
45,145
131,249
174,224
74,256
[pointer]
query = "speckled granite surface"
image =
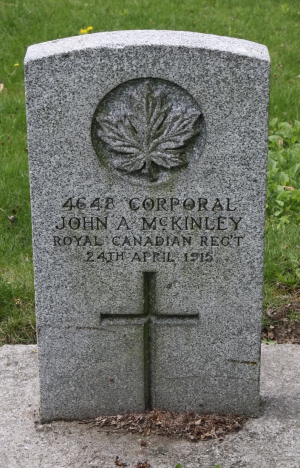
x,y
147,153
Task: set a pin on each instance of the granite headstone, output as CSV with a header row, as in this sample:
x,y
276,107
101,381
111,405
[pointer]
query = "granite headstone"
x,y
147,153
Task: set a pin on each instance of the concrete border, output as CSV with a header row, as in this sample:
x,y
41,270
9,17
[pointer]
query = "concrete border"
x,y
271,441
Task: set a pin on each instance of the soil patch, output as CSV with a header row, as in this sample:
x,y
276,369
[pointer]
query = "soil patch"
x,y
283,323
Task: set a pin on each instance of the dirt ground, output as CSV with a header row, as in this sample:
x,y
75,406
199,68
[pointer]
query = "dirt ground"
x,y
284,323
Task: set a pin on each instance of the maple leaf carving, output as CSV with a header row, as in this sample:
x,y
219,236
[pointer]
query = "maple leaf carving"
x,y
148,133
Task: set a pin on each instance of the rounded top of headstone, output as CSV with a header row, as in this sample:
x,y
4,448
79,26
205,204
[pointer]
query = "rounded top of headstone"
x,y
122,39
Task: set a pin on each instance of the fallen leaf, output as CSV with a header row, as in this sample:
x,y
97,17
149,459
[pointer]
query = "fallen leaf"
x,y
1,86
187,425
119,463
204,436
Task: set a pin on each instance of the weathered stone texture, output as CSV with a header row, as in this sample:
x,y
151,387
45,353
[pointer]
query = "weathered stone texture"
x,y
102,111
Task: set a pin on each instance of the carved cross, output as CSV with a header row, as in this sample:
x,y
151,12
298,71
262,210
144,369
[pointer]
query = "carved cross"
x,y
149,319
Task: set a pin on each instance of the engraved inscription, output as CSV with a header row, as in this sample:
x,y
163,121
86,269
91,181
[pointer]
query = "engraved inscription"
x,y
149,230
148,129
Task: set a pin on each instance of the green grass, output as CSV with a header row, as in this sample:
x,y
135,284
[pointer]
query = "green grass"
x,y
272,22
282,263
282,255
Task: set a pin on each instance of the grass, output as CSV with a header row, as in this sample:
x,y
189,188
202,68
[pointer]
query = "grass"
x,y
282,255
282,258
272,22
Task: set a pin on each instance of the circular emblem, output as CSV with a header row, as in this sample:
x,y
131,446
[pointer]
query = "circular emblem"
x,y
148,129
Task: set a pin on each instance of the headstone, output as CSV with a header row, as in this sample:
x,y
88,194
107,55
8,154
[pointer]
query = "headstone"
x,y
147,154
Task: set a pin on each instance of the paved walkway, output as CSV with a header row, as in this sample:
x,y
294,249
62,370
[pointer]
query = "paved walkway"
x,y
271,441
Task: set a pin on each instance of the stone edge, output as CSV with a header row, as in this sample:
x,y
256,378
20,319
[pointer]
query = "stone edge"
x,y
130,38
